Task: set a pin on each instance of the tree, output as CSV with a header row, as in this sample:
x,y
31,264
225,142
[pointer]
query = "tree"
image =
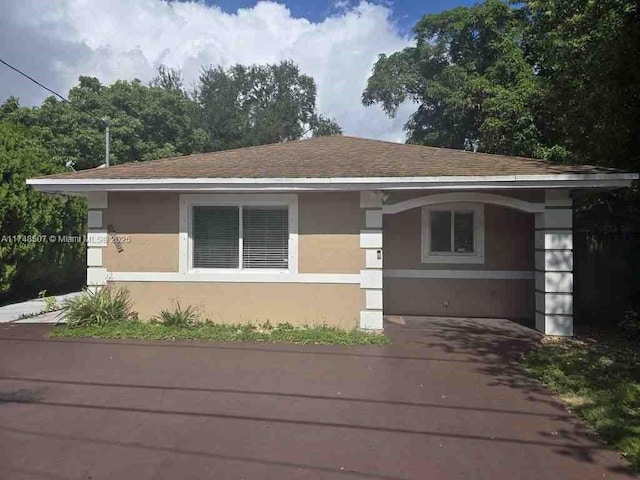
x,y
146,123
259,104
168,78
470,78
29,260
587,57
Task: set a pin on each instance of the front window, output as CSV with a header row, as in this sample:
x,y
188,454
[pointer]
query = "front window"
x,y
240,237
453,234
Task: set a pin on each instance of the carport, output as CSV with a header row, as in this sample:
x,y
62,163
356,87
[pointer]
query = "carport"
x,y
497,254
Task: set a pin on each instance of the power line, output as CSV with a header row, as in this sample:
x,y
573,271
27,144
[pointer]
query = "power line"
x,y
33,80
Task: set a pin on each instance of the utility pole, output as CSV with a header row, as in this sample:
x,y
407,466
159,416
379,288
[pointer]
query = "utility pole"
x,y
106,140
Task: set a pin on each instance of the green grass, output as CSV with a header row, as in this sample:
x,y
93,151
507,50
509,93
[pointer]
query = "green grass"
x,y
317,335
599,377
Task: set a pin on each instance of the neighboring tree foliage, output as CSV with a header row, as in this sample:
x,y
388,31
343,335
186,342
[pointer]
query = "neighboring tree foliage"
x,y
236,107
555,79
146,123
587,57
259,104
29,260
240,106
470,79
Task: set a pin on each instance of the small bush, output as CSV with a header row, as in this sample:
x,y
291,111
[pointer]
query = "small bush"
x,y
51,304
177,317
98,308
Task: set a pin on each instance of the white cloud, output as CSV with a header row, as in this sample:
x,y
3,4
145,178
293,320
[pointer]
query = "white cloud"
x,y
120,39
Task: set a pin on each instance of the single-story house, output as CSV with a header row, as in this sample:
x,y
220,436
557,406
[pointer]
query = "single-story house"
x,y
338,230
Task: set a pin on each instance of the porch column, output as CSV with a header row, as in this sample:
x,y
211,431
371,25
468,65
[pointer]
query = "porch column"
x,y
554,265
371,242
96,239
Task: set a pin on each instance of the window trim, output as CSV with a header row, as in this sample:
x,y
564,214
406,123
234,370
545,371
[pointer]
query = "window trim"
x,y
188,201
477,257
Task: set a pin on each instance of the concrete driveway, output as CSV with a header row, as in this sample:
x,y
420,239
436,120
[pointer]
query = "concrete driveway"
x,y
445,401
34,310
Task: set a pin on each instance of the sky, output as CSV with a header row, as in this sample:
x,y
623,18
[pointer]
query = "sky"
x,y
334,41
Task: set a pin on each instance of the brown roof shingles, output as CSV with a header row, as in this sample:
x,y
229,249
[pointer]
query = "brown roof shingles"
x,y
331,157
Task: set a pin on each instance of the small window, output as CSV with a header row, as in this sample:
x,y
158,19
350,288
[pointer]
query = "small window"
x,y
453,234
236,237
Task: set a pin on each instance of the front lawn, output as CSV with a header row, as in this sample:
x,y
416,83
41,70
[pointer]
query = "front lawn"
x,y
598,375
319,335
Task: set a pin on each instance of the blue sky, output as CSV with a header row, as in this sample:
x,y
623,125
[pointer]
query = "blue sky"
x,y
405,12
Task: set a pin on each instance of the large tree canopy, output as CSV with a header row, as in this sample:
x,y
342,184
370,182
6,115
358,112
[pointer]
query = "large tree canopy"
x,y
146,123
587,56
259,104
236,107
471,81
549,78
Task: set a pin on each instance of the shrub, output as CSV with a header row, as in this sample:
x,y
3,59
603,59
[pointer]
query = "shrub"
x,y
51,304
98,308
177,317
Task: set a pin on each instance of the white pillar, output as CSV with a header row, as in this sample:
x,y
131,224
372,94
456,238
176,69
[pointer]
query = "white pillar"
x,y
371,276
554,265
97,238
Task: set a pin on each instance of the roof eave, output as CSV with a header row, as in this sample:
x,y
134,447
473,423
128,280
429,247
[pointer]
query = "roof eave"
x,y
565,180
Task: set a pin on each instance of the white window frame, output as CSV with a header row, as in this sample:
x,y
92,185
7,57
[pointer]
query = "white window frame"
x,y
477,257
188,201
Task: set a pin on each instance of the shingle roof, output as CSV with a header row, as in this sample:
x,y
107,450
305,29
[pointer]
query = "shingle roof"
x,y
330,157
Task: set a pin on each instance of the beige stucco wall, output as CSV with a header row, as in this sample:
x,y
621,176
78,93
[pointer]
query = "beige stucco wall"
x,y
329,233
328,242
149,223
298,304
509,246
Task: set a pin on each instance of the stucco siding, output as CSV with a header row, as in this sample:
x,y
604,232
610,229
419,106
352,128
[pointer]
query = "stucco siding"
x,y
512,299
298,304
148,225
508,242
329,233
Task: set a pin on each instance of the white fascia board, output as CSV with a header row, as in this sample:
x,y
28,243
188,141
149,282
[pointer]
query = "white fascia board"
x,y
569,180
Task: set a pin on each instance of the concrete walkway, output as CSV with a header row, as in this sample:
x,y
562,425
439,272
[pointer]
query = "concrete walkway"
x,y
13,311
447,400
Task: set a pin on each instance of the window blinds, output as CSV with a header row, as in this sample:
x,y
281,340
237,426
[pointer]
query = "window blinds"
x,y
216,237
265,242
